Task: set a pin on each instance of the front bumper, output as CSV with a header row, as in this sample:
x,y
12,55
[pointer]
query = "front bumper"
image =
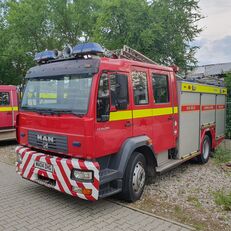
x,y
60,177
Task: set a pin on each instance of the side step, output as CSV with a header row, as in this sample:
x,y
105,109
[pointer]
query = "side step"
x,y
174,163
108,175
109,191
169,165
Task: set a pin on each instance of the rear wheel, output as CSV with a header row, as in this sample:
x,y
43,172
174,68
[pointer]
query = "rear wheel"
x,y
206,149
135,177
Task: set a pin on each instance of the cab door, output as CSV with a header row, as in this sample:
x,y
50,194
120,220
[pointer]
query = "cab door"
x,y
163,111
142,107
6,110
114,116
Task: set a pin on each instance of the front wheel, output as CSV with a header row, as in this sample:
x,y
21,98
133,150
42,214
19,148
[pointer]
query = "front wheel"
x,y
135,177
206,149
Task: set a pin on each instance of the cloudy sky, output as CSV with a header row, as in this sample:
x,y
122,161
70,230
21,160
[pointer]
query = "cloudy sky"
x,y
215,40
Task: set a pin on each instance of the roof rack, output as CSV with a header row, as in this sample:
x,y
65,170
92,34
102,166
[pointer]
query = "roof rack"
x,y
210,80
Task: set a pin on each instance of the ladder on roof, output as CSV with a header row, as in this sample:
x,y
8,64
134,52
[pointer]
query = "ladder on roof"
x,y
128,53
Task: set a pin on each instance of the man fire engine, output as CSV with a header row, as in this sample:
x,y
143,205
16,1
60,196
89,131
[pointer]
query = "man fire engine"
x,y
8,112
93,126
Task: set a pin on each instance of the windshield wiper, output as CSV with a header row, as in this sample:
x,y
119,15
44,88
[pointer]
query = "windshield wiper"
x,y
44,111
66,111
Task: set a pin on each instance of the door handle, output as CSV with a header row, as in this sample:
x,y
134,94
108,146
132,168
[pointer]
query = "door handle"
x,y
170,118
128,124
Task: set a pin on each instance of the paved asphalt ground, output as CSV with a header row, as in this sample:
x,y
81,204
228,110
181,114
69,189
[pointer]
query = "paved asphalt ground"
x,y
28,206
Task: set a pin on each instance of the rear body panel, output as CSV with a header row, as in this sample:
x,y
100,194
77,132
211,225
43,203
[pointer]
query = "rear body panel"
x,y
202,109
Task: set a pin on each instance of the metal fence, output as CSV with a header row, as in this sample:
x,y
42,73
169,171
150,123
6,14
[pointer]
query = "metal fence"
x,y
228,120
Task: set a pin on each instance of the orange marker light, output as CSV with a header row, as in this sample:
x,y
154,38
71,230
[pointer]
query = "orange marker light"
x,y
87,191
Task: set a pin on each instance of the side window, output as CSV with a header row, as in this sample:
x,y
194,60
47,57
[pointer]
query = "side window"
x,y
160,88
4,98
103,99
140,87
119,91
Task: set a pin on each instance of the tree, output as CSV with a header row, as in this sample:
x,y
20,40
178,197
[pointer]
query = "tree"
x,y
161,29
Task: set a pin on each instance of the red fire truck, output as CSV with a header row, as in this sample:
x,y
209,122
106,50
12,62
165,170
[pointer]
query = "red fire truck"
x,y
8,111
92,126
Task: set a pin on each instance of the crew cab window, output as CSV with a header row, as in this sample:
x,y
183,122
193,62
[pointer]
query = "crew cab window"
x,y
119,91
160,88
140,87
4,98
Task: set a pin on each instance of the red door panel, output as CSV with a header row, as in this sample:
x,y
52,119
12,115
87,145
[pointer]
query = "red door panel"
x,y
141,101
111,134
6,110
163,111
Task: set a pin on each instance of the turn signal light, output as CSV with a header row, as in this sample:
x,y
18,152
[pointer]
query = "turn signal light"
x,y
87,191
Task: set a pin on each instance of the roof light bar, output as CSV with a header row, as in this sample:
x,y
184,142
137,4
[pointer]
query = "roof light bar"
x,y
46,55
87,48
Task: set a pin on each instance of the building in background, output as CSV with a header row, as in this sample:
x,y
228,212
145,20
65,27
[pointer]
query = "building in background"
x,y
212,73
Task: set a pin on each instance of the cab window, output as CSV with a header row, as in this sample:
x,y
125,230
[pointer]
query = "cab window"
x,y
103,99
140,87
119,91
112,92
4,98
160,88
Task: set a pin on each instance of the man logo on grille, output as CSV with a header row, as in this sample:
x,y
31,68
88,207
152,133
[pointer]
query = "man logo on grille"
x,y
45,139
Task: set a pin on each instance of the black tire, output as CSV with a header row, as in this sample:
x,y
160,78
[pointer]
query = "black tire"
x,y
134,173
206,150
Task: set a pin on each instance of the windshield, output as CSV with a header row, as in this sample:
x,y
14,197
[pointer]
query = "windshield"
x,y
58,94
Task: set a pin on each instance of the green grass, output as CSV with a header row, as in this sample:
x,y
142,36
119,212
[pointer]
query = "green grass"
x,y
223,199
222,156
194,200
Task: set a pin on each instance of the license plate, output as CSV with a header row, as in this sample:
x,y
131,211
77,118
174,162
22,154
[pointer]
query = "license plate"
x,y
43,166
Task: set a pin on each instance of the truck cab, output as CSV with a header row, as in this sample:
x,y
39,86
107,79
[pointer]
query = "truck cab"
x,y
8,111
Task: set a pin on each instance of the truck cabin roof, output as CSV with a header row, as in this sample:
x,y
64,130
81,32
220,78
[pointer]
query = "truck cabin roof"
x,y
7,88
87,66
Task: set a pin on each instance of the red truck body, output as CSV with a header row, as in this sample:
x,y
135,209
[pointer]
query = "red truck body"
x,y
8,111
132,124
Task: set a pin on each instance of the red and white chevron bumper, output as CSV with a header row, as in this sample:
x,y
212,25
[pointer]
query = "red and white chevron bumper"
x,y
60,176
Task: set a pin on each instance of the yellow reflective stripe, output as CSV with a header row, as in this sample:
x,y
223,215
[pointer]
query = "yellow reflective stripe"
x,y
48,95
142,113
6,109
175,110
120,115
193,87
162,111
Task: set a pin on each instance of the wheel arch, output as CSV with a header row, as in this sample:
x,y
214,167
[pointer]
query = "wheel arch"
x,y
135,144
150,159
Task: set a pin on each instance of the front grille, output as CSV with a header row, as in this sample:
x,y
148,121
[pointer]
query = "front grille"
x,y
48,142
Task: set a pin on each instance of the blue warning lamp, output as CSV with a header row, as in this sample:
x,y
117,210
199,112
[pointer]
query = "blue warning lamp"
x,y
46,55
87,49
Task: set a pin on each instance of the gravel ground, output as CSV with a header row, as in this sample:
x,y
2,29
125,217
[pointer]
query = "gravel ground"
x,y
185,194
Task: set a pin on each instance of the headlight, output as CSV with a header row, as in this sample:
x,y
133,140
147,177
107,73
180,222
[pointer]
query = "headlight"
x,y
82,175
